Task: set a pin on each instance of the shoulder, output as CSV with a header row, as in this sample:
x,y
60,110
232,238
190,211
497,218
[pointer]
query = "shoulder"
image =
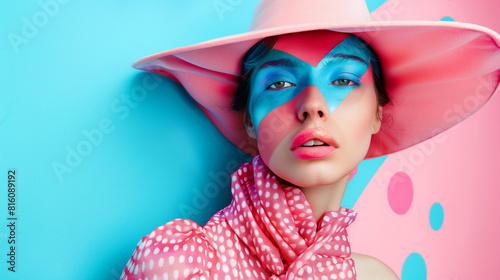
x,y
368,267
177,249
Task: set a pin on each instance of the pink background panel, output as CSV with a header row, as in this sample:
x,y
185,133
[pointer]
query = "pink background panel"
x,y
458,169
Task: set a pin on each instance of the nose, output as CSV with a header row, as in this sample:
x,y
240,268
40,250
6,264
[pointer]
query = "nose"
x,y
312,104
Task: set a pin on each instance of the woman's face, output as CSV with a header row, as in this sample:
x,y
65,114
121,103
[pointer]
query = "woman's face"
x,y
313,107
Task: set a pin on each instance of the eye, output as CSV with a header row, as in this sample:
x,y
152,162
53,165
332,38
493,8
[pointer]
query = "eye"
x,y
344,82
280,85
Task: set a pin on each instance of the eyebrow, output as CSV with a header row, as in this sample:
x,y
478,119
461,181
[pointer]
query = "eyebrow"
x,y
278,63
342,57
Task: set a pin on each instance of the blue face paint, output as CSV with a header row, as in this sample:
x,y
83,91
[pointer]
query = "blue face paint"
x,y
280,77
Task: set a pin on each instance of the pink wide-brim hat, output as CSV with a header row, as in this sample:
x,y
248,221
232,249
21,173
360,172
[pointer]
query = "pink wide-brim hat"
x,y
436,73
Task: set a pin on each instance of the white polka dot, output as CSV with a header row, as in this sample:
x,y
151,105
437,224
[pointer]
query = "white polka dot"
x,y
309,269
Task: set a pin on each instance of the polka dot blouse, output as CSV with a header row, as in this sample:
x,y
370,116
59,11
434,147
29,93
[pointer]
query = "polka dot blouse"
x,y
267,232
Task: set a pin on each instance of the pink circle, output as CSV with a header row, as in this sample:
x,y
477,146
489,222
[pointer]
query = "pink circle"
x,y
400,193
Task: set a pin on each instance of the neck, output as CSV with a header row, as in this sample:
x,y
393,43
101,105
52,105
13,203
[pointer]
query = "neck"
x,y
325,198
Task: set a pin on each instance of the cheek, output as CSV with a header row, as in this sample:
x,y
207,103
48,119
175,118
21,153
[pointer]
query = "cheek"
x,y
356,116
274,129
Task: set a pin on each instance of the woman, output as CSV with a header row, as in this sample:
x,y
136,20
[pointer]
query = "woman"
x,y
311,101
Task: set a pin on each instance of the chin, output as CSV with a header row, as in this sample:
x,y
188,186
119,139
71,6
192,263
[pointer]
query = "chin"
x,y
318,172
311,173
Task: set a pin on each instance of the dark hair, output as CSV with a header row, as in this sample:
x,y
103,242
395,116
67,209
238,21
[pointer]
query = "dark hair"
x,y
264,46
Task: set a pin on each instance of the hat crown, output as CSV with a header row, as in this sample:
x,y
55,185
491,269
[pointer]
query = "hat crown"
x,y
276,13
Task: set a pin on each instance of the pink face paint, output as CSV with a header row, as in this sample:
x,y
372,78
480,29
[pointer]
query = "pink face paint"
x,y
301,44
275,127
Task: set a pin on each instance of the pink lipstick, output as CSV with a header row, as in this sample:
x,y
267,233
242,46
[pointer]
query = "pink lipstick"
x,y
315,143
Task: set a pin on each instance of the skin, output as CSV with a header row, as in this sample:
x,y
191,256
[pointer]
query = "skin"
x,y
303,85
371,268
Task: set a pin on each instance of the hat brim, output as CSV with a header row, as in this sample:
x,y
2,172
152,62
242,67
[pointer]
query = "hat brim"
x,y
430,70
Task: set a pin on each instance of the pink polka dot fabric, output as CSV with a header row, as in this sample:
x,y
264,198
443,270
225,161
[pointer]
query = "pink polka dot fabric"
x,y
267,232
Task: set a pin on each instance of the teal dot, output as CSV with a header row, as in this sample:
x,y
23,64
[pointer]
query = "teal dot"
x,y
447,19
436,216
414,268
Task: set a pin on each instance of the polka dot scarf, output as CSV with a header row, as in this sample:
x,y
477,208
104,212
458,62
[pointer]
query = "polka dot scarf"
x,y
267,232
277,224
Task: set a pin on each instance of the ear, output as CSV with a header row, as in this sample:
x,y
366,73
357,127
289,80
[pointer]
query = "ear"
x,y
377,120
249,125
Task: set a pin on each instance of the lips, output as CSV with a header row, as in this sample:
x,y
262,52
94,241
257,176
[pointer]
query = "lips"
x,y
313,143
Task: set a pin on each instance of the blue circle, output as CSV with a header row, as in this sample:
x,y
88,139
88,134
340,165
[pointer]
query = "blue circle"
x,y
436,216
414,268
447,19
